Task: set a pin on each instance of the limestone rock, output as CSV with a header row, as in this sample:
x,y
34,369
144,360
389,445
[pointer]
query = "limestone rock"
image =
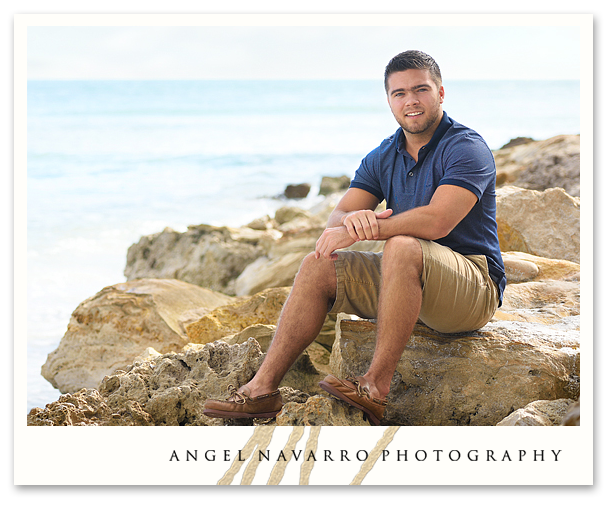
x,y
262,308
538,413
572,417
552,163
288,213
517,141
172,388
307,371
264,223
320,358
333,184
556,165
294,220
519,270
148,354
546,302
326,337
267,272
545,224
120,322
289,394
475,378
297,191
317,353
262,333
82,408
265,254
320,410
323,209
87,407
303,375
521,267
211,257
282,261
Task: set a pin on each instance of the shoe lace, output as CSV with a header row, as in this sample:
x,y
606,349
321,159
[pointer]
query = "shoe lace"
x,y
365,392
360,390
235,396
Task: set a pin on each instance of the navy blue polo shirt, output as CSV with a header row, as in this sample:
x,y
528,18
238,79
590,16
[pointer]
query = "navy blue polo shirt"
x,y
455,155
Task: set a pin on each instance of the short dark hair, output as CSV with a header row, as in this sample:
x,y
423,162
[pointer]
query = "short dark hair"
x,y
413,60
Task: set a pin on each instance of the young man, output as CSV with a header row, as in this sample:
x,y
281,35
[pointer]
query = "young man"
x,y
441,261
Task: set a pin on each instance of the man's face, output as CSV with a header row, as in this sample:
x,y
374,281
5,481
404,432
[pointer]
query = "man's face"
x,y
415,100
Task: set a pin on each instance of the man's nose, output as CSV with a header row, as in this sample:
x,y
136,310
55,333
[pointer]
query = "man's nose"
x,y
411,99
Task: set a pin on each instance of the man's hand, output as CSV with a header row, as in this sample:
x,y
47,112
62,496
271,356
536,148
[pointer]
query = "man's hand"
x,y
359,226
332,239
362,225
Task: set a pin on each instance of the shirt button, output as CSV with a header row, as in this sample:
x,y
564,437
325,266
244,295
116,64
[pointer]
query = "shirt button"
x,y
410,174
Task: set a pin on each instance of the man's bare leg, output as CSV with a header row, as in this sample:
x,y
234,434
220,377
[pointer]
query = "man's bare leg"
x,y
300,322
399,306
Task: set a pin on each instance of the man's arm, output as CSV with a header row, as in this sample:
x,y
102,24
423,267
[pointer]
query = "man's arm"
x,y
356,211
448,206
355,202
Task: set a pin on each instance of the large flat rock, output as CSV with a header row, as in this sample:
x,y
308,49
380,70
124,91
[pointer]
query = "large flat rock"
x,y
476,378
107,331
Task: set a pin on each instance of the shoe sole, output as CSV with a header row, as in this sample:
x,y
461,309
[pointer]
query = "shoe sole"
x,y
213,413
335,393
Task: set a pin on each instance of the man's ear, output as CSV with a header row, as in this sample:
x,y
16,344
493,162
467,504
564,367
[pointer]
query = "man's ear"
x,y
441,93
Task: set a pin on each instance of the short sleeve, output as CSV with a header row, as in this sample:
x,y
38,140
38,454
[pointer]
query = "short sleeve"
x,y
367,176
469,163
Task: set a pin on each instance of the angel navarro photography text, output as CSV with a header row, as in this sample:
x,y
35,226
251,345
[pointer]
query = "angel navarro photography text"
x,y
363,455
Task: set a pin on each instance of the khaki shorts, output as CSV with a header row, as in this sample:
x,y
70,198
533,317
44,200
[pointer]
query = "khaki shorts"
x,y
457,293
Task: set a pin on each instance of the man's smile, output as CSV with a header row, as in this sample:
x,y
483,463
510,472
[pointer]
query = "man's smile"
x,y
412,114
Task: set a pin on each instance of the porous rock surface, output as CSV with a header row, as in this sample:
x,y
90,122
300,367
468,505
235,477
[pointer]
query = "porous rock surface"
x,y
551,163
171,389
528,352
539,413
475,378
262,308
107,331
545,224
211,257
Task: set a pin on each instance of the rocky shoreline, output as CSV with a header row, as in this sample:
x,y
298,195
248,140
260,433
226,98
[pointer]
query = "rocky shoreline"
x,y
199,309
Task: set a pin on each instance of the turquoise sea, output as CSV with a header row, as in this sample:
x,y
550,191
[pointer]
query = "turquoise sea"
x,y
110,161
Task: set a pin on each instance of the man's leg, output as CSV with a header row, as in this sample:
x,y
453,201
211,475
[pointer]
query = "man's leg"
x,y
400,301
459,296
300,322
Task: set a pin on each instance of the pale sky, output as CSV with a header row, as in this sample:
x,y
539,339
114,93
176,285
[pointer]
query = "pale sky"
x,y
297,52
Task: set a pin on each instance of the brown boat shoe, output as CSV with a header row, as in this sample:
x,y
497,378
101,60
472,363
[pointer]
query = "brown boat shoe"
x,y
241,405
355,392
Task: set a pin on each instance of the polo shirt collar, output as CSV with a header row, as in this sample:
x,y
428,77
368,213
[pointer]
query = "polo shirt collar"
x,y
443,126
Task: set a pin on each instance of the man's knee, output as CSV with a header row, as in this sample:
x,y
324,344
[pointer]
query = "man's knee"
x,y
319,271
403,251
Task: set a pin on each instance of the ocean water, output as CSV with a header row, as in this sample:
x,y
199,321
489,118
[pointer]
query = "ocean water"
x,y
110,161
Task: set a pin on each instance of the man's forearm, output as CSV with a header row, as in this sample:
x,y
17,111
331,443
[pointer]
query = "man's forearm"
x,y
419,222
334,220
